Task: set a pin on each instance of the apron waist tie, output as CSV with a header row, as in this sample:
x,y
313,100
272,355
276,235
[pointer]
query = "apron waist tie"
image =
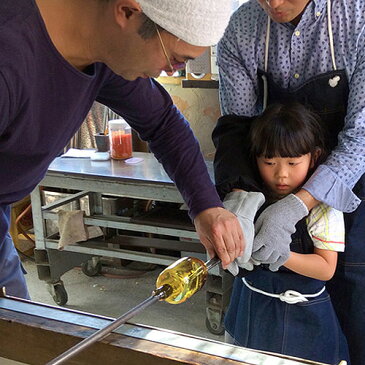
x,y
289,296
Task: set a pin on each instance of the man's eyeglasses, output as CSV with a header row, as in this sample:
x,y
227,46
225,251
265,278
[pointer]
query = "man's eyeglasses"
x,y
176,66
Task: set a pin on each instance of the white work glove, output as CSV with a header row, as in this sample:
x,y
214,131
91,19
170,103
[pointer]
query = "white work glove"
x,y
244,205
274,228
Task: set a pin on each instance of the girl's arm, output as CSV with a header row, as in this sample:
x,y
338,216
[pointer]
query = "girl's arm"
x,y
320,265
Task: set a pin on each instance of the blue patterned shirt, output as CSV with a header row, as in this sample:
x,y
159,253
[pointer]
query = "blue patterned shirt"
x,y
296,54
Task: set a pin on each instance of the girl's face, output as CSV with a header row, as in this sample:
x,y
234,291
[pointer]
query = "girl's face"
x,y
283,175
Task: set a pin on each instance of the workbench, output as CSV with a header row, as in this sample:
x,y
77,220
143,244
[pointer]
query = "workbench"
x,y
95,179
35,333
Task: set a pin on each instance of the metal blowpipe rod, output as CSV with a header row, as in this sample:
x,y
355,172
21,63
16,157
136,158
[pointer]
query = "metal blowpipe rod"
x,y
103,332
158,294
212,263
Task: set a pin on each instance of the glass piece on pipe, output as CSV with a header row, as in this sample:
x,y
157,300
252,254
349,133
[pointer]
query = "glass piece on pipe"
x,y
184,277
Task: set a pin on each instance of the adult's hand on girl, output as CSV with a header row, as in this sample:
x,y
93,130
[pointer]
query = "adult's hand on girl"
x,y
273,231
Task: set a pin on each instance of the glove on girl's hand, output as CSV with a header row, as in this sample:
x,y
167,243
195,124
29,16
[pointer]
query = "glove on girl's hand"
x,y
274,228
244,205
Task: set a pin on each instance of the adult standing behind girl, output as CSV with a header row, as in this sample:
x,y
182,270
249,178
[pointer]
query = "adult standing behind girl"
x,y
289,311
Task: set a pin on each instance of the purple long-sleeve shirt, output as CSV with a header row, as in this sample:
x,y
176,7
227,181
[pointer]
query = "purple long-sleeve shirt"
x,y
44,100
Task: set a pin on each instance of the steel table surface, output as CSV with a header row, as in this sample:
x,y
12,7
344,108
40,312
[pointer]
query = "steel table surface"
x,y
146,179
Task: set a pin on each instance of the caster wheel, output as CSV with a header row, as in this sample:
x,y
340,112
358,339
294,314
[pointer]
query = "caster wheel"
x,y
60,294
214,328
89,268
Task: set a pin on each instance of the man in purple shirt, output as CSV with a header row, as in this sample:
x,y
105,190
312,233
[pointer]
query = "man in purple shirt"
x,y
58,57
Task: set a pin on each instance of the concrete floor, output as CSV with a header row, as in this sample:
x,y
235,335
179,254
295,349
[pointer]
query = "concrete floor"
x,y
113,296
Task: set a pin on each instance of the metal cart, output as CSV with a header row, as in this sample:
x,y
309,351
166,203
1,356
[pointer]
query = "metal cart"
x,y
95,179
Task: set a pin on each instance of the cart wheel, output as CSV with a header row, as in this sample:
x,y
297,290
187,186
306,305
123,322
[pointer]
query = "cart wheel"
x,y
60,295
89,268
214,327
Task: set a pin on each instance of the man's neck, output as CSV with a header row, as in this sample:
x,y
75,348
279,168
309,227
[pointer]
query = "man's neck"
x,y
70,25
296,20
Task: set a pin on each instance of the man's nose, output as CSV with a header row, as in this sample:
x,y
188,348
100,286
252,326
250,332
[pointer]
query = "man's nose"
x,y
273,4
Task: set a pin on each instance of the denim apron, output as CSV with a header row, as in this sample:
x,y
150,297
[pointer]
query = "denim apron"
x,y
327,94
11,269
307,329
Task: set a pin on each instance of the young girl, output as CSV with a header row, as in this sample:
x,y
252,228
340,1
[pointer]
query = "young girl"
x,y
289,311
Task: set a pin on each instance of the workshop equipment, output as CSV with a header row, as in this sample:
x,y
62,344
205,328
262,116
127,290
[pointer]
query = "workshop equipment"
x,y
90,183
175,284
46,331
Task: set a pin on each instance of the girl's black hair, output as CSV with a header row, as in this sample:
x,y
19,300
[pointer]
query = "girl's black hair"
x,y
287,130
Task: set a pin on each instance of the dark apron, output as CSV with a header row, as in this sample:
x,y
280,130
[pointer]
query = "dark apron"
x,y
347,288
257,321
11,270
308,330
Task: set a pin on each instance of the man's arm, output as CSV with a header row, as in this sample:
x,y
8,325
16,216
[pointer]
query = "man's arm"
x,y
232,166
148,108
332,182
240,103
238,89
307,198
238,84
4,104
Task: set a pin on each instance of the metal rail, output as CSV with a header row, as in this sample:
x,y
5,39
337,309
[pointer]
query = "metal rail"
x,y
158,294
103,332
144,333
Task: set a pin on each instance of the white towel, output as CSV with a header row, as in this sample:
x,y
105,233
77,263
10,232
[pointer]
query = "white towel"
x,y
197,22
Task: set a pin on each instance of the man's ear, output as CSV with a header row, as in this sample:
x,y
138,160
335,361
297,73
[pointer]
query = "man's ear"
x,y
315,156
125,11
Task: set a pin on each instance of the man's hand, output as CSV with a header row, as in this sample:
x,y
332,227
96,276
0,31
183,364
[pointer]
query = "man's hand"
x,y
274,228
244,205
220,233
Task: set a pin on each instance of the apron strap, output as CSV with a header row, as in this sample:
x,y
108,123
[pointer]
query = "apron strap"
x,y
330,34
267,42
289,296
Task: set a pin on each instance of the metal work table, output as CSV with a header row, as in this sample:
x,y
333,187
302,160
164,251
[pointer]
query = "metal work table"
x,y
46,331
94,179
146,179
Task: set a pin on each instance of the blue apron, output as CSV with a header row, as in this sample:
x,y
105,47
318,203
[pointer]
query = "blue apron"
x,y
11,270
308,330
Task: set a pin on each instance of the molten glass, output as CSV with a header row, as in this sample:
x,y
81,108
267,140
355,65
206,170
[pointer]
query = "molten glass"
x,y
182,279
